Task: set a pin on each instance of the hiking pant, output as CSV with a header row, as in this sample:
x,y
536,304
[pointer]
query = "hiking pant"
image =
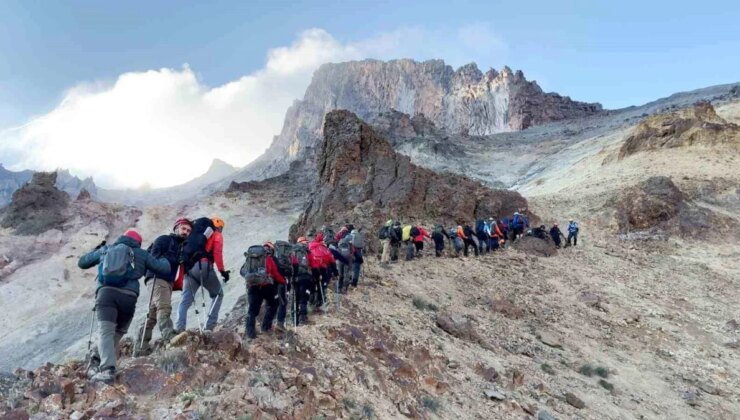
x,y
303,286
395,247
419,246
256,295
343,271
201,275
386,256
556,239
468,243
160,310
484,244
410,251
574,236
357,261
282,309
115,309
494,243
319,286
439,247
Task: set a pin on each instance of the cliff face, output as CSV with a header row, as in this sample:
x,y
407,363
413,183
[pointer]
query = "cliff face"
x,y
363,180
37,206
465,100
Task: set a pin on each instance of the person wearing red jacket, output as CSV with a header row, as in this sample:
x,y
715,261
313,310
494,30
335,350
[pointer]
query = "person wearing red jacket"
x,y
321,260
419,239
267,293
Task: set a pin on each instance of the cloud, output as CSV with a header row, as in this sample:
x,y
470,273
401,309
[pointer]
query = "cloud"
x,y
163,127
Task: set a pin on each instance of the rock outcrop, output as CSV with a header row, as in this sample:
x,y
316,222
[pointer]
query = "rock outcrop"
x,y
465,100
362,179
37,206
695,125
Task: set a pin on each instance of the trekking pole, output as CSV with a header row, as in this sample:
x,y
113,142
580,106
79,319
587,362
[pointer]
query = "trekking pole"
x,y
195,304
92,325
213,304
203,304
321,290
146,318
338,296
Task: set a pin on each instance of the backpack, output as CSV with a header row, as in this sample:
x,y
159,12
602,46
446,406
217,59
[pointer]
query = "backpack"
x,y
116,265
345,247
194,247
254,269
406,233
329,236
385,233
415,231
517,221
358,240
342,233
452,233
282,256
480,227
396,234
300,252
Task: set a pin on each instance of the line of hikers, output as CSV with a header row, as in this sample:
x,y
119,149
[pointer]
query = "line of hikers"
x,y
187,259
487,236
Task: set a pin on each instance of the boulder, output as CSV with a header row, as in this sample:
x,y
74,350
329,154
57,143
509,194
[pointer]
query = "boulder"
x,y
37,206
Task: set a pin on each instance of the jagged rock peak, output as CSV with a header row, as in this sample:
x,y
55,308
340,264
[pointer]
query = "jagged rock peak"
x,y
37,206
362,179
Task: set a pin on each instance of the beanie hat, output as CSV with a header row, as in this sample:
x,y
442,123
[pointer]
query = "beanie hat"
x,y
133,235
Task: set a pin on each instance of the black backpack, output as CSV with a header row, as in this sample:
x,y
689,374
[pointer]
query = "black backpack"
x,y
414,232
300,252
384,233
254,269
396,234
480,227
329,236
282,256
194,247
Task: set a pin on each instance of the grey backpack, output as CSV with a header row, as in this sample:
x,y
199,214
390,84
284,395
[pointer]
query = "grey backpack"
x,y
358,239
254,269
116,265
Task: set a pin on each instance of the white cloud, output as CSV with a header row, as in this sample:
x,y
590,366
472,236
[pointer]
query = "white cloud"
x,y
163,127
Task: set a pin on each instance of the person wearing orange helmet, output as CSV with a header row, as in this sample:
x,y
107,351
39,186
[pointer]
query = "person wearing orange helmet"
x,y
201,273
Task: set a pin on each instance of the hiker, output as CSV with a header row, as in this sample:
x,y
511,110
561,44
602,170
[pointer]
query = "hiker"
x,y
496,235
262,275
483,234
556,234
518,223
540,232
120,267
396,236
282,255
202,250
385,239
344,231
161,288
438,236
505,228
470,240
343,256
572,232
329,235
357,239
320,259
302,281
418,237
460,240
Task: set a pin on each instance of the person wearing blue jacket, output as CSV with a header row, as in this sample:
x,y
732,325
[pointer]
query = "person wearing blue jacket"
x,y
573,232
115,306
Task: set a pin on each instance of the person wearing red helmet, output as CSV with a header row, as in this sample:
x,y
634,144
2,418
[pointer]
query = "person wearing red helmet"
x,y
321,260
161,288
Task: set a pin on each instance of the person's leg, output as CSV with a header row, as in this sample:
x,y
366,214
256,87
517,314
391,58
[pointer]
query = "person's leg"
x,y
303,293
386,257
151,319
254,297
282,308
126,308
216,293
342,268
575,239
190,286
269,296
163,297
107,315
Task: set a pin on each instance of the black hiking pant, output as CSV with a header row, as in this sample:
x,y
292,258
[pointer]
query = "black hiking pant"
x,y
395,247
439,246
468,243
256,295
303,286
282,309
319,285
574,236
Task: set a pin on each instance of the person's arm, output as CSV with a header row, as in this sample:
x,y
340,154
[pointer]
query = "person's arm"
x,y
90,259
218,251
272,271
160,266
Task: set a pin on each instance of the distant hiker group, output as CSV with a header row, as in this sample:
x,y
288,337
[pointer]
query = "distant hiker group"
x,y
286,277
486,236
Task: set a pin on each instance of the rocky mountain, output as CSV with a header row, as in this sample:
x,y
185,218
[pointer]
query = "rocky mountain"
x,y
362,179
11,181
37,206
465,100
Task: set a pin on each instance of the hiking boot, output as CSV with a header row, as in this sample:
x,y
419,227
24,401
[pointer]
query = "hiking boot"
x,y
107,376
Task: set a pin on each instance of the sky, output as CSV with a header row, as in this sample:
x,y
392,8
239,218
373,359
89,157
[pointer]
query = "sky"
x,y
138,92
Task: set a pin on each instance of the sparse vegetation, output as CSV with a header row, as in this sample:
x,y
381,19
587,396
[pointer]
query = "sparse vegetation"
x,y
602,372
368,411
187,396
590,370
246,417
606,385
431,404
586,370
423,305
349,403
547,369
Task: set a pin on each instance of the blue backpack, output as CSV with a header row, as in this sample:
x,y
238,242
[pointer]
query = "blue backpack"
x,y
517,221
116,265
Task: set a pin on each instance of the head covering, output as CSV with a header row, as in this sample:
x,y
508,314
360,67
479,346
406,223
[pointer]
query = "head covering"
x,y
389,222
218,222
182,221
302,240
133,235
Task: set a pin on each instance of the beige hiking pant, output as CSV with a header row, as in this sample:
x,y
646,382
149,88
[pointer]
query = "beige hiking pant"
x,y
160,310
386,256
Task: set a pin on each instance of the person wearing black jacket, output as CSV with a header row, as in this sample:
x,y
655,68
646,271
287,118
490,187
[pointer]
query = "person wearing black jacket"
x,y
396,236
556,234
469,240
438,236
160,306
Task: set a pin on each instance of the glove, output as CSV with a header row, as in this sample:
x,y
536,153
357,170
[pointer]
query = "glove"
x,y
225,275
100,245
